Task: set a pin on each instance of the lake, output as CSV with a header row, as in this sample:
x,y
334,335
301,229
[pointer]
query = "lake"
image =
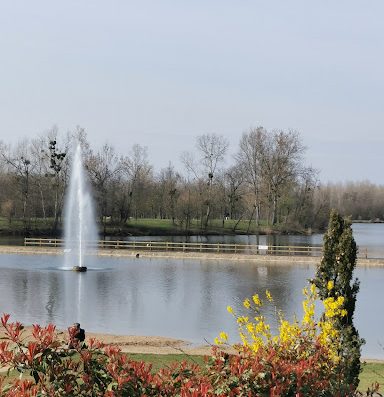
x,y
369,238
184,299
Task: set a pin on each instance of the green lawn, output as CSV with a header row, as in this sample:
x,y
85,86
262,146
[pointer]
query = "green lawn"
x,y
162,360
146,226
372,372
214,226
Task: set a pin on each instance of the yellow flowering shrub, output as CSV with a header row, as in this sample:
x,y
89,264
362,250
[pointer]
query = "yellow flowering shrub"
x,y
295,338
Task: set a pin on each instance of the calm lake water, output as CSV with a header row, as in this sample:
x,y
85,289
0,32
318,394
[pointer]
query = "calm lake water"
x,y
369,238
176,298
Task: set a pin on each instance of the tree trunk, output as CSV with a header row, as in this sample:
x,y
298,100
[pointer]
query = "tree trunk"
x,y
25,204
207,214
42,201
250,218
56,212
237,223
274,209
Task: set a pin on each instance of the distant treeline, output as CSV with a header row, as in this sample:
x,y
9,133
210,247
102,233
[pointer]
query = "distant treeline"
x,y
266,183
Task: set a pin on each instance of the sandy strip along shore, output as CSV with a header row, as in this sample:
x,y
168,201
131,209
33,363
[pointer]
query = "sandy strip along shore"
x,y
133,343
270,259
151,344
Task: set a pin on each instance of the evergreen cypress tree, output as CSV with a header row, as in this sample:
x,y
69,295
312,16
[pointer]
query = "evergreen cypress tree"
x,y
337,266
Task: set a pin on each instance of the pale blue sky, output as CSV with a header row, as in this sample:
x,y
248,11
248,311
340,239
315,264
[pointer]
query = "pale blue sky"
x,y
161,72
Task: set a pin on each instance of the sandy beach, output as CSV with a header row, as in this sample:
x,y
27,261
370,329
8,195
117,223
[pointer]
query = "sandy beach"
x,y
134,343
151,344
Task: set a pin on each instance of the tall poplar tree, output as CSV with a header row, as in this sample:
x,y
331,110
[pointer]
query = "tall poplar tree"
x,y
336,270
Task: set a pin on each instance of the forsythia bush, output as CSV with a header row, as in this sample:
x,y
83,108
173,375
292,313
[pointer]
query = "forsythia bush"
x,y
301,360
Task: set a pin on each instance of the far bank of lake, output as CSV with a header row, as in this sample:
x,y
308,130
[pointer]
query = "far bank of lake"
x,y
369,238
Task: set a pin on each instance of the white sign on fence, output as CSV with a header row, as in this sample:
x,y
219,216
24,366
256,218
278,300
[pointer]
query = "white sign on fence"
x,y
262,247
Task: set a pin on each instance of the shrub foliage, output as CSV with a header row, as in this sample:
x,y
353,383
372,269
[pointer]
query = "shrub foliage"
x,y
334,278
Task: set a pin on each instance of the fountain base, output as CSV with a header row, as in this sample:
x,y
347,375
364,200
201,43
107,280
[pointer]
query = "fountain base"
x,y
79,268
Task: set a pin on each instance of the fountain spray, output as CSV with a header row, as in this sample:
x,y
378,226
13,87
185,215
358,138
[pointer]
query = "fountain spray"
x,y
80,226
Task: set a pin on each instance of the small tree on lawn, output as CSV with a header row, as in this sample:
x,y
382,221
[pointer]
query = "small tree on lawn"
x,y
334,278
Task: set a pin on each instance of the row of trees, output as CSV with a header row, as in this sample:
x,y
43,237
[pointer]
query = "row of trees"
x,y
267,182
359,200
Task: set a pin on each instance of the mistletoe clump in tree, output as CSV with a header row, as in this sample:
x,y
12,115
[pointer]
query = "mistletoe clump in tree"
x,y
334,278
56,165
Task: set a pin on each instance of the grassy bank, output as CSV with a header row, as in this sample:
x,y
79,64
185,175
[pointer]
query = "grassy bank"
x,y
371,373
216,226
148,227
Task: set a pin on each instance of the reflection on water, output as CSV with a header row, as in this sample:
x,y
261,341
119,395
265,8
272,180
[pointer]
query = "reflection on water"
x,y
369,238
177,298
301,240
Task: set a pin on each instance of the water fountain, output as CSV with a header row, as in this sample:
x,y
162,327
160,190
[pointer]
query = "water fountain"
x,y
80,226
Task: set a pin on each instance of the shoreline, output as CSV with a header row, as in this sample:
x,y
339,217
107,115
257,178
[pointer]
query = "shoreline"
x,y
138,254
158,345
151,344
136,344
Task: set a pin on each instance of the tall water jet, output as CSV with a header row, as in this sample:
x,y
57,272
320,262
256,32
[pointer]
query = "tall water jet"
x,y
80,226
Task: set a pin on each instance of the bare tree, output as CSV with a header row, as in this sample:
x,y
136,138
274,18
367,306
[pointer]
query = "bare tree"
x,y
235,181
212,149
360,200
51,172
249,158
38,147
103,168
303,198
169,191
189,203
19,163
137,173
57,162
281,163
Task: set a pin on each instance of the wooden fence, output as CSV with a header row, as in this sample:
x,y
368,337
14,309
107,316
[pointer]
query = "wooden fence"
x,y
250,249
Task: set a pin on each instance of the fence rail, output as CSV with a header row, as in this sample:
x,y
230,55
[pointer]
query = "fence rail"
x,y
250,249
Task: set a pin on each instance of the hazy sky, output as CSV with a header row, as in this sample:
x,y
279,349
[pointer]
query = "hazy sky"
x,y
161,72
